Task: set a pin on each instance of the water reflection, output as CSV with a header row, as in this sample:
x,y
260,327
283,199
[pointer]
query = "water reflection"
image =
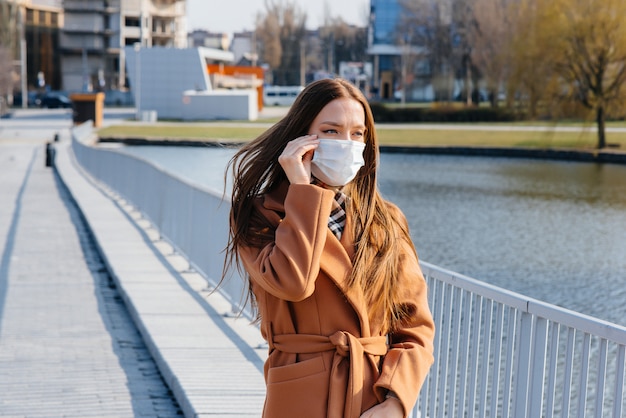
x,y
555,231
551,230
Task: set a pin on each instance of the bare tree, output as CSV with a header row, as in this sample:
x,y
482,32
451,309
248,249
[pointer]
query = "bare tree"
x,y
430,24
6,82
490,36
342,42
8,24
593,61
532,79
8,46
281,33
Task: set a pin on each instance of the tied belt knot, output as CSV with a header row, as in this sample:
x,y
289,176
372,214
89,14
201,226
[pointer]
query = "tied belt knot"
x,y
347,347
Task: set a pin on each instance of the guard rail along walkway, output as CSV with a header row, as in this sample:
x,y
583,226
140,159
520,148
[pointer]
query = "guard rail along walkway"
x,y
497,353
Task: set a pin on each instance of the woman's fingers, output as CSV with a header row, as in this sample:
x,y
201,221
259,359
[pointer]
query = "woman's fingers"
x,y
296,159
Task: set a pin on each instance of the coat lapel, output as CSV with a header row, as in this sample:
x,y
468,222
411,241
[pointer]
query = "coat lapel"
x,y
336,261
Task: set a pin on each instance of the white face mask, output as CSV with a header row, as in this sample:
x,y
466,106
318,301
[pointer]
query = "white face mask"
x,y
337,161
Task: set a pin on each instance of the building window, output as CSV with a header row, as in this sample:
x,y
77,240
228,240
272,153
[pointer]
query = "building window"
x,y
131,22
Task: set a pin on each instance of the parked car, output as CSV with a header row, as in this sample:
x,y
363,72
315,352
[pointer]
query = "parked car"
x,y
33,99
55,100
118,98
280,95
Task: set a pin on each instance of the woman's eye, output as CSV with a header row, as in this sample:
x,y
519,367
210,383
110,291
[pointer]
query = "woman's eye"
x,y
330,131
358,134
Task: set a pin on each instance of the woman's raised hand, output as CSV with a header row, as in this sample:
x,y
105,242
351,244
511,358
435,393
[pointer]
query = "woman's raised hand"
x,y
296,159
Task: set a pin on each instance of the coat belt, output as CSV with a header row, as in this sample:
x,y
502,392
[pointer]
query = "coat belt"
x,y
345,346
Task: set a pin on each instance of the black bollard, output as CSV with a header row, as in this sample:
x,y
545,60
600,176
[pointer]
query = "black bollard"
x,y
49,154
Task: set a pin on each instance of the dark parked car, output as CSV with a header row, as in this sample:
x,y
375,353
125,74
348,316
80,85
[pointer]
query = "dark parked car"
x,y
55,100
33,99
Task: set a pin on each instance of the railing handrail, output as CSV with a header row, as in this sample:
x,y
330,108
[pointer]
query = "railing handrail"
x,y
585,323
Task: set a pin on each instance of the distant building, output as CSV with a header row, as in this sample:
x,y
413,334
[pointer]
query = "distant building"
x,y
41,21
382,46
243,46
97,31
401,68
206,39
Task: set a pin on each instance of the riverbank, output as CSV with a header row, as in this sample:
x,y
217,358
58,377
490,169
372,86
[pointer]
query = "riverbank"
x,y
569,143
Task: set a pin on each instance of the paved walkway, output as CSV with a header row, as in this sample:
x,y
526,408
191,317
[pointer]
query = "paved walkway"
x,y
67,344
132,334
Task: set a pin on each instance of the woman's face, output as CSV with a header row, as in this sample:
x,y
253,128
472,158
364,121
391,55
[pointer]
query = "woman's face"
x,y
342,118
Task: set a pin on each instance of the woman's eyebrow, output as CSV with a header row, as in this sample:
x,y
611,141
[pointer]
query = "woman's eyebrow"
x,y
332,123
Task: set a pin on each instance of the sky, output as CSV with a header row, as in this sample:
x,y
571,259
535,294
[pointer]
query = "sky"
x,y
238,15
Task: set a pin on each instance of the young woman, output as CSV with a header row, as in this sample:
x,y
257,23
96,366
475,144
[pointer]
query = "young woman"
x,y
333,274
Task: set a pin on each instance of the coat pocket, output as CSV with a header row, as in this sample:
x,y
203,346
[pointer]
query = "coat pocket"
x,y
297,390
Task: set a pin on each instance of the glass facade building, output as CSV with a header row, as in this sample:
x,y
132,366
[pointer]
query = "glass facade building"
x,y
384,17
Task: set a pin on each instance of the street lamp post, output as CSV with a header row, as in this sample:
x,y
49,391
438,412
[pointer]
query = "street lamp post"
x,y
406,51
137,47
302,63
23,74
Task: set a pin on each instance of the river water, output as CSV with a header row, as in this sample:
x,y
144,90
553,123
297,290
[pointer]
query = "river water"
x,y
554,231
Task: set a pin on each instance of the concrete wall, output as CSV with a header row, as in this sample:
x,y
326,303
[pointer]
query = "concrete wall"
x,y
220,104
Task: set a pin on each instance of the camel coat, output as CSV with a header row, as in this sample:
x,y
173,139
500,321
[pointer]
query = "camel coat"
x,y
326,359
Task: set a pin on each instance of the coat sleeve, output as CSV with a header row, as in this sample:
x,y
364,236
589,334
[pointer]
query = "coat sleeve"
x,y
410,355
287,268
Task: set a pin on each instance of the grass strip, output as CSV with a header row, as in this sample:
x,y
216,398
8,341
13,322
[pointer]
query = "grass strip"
x,y
548,138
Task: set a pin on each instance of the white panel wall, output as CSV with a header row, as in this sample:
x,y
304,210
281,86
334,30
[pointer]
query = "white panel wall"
x,y
161,76
220,104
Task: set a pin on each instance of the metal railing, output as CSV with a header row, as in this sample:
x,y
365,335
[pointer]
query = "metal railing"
x,y
500,354
497,353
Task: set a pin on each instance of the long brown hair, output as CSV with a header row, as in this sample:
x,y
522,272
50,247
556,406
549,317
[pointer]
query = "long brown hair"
x,y
377,233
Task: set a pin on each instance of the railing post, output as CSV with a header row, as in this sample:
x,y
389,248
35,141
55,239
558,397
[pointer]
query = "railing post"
x,y
619,382
599,407
538,366
584,373
522,366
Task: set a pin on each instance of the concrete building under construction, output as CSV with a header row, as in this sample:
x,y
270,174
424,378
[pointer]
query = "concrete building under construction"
x,y
96,32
